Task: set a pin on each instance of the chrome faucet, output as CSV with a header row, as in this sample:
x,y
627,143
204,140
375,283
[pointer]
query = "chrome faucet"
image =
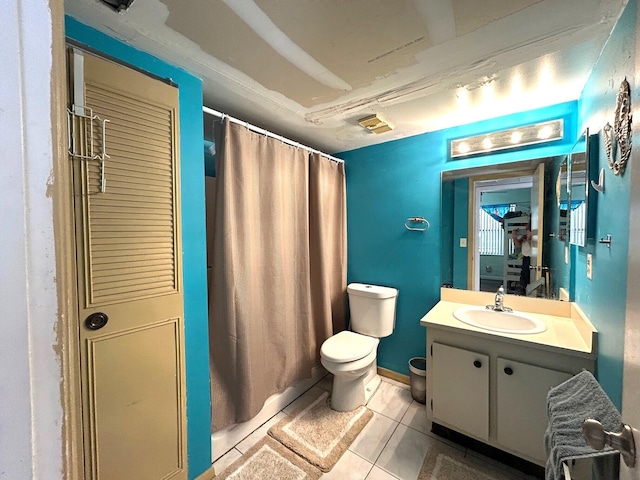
x,y
499,306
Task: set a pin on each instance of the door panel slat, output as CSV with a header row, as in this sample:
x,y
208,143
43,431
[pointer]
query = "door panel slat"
x,y
132,260
136,188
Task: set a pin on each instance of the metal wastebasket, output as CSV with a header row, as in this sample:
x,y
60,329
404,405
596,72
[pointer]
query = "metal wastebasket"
x,y
418,378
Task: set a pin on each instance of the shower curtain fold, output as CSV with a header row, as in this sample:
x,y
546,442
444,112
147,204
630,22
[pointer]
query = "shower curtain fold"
x,y
327,216
272,302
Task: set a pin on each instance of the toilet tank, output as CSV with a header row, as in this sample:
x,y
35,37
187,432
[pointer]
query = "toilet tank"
x,y
372,309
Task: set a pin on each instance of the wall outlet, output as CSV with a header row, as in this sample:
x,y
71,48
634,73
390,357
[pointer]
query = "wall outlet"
x,y
463,243
589,266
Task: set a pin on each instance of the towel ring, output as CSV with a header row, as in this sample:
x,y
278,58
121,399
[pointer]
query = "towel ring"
x,y
424,224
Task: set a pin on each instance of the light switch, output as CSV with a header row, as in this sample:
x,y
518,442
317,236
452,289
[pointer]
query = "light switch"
x,y
463,243
589,266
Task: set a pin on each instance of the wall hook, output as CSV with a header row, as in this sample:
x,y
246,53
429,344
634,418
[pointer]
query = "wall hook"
x,y
606,240
599,187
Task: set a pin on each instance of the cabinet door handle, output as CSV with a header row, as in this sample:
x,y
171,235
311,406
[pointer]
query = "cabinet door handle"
x,y
477,363
508,370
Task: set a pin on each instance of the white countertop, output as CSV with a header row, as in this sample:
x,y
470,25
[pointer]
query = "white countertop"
x,y
568,329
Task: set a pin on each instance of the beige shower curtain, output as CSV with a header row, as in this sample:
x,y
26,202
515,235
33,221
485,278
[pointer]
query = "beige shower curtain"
x,y
273,299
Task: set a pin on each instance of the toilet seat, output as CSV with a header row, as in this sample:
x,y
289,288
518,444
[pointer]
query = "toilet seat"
x,y
348,346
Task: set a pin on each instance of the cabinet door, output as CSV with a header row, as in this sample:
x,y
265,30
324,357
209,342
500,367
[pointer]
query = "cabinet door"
x,y
460,387
522,406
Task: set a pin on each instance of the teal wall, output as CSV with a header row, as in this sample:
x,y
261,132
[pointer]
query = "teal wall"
x,y
554,248
460,230
193,233
392,181
447,210
209,160
604,298
454,226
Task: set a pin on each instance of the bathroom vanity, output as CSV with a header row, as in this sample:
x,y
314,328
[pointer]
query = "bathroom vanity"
x,y
492,385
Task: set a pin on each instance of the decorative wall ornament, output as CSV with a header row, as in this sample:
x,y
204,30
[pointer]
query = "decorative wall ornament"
x,y
621,131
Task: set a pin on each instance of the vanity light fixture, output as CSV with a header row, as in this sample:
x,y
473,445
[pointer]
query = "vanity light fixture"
x,y
463,147
512,138
516,137
545,132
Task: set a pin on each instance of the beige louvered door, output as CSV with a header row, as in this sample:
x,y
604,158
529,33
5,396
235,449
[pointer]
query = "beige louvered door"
x,y
129,272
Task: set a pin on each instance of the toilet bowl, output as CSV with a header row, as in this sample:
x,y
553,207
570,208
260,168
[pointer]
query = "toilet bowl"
x,y
351,355
351,358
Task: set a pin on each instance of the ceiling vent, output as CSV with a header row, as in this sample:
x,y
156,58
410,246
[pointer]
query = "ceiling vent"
x,y
375,124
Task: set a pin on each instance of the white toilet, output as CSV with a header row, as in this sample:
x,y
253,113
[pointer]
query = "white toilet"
x,y
351,355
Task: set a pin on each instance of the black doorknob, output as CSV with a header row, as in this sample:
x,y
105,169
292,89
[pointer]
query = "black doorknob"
x,y
477,363
96,321
508,370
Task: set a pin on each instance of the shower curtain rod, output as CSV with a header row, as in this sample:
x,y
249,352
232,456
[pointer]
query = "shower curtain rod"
x,y
262,131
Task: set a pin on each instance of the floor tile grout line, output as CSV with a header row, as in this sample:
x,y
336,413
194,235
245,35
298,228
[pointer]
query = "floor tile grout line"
x,y
381,450
370,469
380,468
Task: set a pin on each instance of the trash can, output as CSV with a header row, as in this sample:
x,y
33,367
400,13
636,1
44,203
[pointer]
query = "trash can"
x,y
418,378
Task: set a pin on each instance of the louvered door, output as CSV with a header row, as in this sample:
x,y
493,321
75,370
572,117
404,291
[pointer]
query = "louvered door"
x,y
129,274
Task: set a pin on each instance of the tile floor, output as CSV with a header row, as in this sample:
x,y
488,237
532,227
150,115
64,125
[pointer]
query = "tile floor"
x,y
392,446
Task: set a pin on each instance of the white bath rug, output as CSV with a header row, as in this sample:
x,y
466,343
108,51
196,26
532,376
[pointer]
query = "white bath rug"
x,y
318,434
270,459
447,463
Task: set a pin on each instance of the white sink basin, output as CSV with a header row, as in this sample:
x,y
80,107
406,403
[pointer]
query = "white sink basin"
x,y
505,322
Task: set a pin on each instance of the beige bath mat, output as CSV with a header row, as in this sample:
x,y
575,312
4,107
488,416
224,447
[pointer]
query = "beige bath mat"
x,y
270,459
445,463
319,434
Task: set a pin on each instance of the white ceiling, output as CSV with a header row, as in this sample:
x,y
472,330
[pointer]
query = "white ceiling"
x,y
309,69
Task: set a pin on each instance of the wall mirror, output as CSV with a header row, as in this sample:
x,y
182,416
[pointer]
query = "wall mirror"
x,y
475,249
579,202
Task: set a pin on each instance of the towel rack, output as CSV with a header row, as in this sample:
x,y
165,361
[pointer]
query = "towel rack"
x,y
423,224
596,436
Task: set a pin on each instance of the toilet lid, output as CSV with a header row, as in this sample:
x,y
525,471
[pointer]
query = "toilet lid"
x,y
347,346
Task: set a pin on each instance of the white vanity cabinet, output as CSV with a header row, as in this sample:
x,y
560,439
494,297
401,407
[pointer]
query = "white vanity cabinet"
x,y
522,395
493,389
464,398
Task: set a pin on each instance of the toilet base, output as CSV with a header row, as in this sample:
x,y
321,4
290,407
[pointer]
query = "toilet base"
x,y
350,392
